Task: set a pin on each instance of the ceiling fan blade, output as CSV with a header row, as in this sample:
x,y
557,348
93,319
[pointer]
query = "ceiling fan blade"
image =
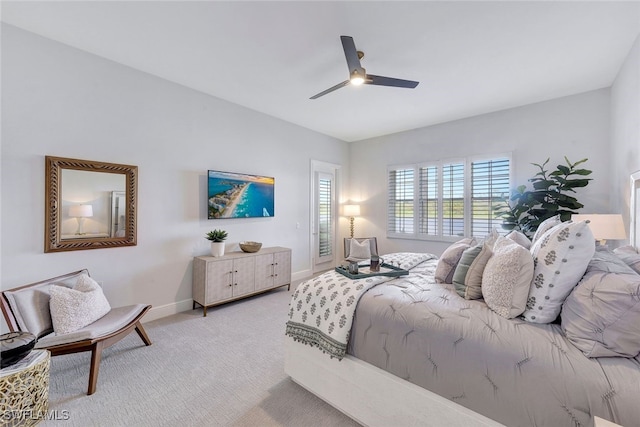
x,y
389,81
350,52
331,89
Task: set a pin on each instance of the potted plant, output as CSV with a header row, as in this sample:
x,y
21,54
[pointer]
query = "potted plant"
x,y
217,238
550,196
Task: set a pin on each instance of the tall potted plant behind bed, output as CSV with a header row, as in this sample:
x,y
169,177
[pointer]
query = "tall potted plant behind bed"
x,y
217,238
549,197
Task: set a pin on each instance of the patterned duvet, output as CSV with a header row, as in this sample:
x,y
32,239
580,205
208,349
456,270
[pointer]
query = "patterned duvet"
x,y
518,373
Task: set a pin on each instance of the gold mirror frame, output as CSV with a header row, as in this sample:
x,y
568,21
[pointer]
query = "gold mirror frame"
x,y
53,182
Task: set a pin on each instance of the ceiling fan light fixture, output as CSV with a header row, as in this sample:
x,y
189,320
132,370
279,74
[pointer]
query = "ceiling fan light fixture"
x,y
356,78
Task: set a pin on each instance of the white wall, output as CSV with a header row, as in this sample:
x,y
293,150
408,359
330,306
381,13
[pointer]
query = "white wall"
x,y
625,131
575,126
61,101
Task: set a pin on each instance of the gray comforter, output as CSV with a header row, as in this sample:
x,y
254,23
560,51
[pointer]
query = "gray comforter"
x,y
518,373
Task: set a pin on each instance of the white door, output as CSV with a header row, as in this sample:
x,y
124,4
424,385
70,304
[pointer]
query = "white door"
x,y
324,208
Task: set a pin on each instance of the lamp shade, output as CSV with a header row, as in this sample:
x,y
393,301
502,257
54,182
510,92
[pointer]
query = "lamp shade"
x,y
81,211
604,226
351,210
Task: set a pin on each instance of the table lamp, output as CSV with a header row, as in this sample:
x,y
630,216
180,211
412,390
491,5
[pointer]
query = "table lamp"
x,y
351,211
80,212
604,226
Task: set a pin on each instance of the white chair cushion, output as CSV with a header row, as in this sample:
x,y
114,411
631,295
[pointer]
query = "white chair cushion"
x,y
73,309
116,319
30,306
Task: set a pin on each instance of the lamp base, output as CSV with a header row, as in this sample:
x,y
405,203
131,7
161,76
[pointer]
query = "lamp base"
x,y
351,225
80,231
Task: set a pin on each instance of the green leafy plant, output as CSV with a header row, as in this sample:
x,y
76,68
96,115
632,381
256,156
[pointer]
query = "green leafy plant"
x,y
550,196
216,235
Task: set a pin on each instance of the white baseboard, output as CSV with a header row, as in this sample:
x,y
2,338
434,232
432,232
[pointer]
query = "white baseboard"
x,y
299,275
187,304
167,310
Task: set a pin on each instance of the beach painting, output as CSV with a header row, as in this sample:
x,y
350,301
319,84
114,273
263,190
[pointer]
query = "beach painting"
x,y
235,195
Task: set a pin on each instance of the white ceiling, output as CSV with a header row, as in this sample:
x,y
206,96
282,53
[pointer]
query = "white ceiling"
x,y
470,57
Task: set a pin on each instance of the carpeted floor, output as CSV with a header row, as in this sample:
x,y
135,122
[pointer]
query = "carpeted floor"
x,y
225,369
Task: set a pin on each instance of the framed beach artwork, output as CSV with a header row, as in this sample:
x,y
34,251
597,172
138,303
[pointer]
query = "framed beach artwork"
x,y
236,195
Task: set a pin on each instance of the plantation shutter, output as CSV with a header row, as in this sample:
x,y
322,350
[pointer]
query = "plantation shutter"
x,y
453,199
324,217
429,200
489,184
400,209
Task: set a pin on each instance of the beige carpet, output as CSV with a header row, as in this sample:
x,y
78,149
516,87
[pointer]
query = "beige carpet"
x,y
222,370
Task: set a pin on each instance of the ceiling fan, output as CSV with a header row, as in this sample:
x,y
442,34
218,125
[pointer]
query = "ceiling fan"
x,y
358,75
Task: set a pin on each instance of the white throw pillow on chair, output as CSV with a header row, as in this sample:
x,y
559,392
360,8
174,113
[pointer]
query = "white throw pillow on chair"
x,y
359,251
74,308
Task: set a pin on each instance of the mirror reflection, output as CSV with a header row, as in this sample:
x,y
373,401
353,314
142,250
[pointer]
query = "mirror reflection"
x,y
89,204
93,204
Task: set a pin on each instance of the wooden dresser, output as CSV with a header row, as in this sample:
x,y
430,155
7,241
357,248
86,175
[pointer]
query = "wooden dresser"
x,y
236,275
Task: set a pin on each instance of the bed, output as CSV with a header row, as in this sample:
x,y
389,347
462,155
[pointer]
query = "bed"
x,y
419,354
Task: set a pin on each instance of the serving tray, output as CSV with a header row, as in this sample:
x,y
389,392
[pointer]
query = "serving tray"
x,y
363,271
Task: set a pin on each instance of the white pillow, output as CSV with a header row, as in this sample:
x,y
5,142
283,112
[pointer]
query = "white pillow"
x,y
491,238
545,226
359,251
74,308
561,257
449,259
520,238
506,278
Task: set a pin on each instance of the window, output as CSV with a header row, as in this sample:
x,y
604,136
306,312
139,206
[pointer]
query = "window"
x,y
325,214
489,184
401,190
447,200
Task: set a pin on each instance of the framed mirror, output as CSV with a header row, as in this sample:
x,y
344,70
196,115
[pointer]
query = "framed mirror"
x,y
634,217
89,204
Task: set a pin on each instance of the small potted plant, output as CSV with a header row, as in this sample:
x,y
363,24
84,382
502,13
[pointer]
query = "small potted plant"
x,y
217,238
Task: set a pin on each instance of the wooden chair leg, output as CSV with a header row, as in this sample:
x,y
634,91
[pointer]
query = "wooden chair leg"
x,y
96,356
142,334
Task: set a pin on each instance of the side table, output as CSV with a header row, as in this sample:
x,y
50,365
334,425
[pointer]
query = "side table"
x,y
24,390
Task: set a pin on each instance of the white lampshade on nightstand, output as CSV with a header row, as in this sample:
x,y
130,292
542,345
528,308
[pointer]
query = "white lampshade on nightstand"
x,y
604,226
351,211
80,212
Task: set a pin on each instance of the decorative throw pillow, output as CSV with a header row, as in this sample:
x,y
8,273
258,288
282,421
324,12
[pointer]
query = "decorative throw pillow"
x,y
520,239
467,277
629,255
625,249
561,257
545,226
450,258
601,316
506,278
74,308
359,251
491,238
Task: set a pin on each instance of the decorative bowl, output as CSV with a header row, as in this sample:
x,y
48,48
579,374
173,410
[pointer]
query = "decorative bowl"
x,y
250,246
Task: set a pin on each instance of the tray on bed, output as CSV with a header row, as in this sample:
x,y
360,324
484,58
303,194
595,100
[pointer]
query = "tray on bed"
x,y
363,271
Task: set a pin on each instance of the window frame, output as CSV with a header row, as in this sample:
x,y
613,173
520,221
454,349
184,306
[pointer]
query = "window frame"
x,y
467,195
